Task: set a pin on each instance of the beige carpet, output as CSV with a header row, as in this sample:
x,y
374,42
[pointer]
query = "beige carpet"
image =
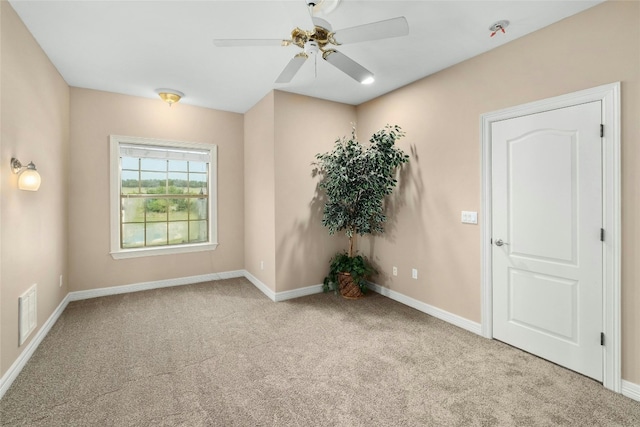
x,y
222,354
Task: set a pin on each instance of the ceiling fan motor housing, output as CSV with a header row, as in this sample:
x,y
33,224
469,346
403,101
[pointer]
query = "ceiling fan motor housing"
x,y
321,36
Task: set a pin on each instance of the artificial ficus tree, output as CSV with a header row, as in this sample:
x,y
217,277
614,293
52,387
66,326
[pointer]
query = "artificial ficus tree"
x,y
356,179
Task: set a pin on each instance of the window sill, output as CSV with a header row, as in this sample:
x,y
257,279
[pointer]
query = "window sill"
x,y
165,250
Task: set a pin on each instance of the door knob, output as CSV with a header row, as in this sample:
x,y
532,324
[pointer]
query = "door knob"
x,y
499,242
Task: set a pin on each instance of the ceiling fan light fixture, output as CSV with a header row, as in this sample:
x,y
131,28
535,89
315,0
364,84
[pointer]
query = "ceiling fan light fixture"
x,y
170,96
311,47
368,80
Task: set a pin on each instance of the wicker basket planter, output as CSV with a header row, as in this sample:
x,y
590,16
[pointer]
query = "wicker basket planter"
x,y
348,288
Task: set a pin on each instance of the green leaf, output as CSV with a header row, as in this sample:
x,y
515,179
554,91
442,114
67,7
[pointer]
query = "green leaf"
x,y
357,178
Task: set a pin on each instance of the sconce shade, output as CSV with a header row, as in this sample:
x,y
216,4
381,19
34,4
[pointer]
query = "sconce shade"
x,y
169,96
28,176
29,179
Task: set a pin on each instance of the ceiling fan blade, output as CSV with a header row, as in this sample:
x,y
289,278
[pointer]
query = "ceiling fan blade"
x,y
319,22
348,66
249,42
292,68
394,27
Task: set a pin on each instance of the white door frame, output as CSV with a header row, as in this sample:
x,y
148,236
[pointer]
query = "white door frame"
x,y
610,96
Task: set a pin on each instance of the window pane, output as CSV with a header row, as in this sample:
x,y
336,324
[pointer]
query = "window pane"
x,y
197,167
198,190
157,234
197,231
129,183
198,183
178,180
132,210
156,209
132,235
177,165
198,209
178,232
129,163
178,209
153,165
154,182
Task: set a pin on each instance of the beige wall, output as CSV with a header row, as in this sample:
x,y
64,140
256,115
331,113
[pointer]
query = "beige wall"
x,y
304,127
34,122
441,115
259,192
96,115
283,228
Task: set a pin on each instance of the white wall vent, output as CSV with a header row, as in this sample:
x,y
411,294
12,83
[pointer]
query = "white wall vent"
x,y
27,312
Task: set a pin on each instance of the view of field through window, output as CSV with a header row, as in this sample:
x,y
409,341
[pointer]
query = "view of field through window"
x,y
163,202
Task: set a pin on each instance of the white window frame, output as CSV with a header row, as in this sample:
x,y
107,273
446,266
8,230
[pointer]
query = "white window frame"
x,y
114,182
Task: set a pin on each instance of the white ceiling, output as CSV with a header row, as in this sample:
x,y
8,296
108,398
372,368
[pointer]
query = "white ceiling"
x,y
135,47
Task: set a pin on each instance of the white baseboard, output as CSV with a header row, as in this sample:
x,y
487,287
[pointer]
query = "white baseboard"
x,y
630,390
14,370
261,286
297,293
285,295
454,319
144,286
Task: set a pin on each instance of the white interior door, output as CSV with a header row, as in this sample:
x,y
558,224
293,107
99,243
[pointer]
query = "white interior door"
x,y
546,233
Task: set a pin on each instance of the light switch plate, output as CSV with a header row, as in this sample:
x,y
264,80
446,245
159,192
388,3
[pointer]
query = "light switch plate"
x,y
469,217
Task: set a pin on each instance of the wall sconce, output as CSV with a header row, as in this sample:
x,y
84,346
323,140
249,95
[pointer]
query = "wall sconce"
x,y
169,96
29,178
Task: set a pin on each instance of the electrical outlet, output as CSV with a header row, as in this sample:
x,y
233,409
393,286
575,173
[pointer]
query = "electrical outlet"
x,y
414,273
261,265
60,282
395,270
469,217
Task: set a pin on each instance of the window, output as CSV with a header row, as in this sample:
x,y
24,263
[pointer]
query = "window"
x,y
163,197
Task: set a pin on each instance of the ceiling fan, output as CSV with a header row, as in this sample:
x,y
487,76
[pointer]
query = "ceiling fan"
x,y
316,42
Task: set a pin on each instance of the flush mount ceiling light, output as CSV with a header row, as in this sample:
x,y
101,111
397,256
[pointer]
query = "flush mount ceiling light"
x,y
28,178
170,96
